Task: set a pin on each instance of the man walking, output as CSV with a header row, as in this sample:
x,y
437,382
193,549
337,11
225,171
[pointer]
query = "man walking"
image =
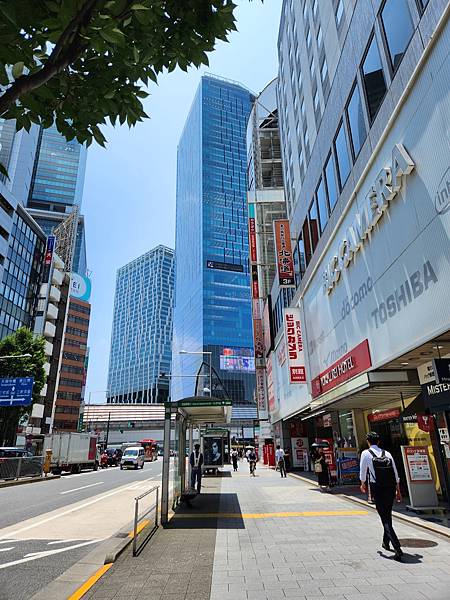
x,y
279,459
379,467
196,462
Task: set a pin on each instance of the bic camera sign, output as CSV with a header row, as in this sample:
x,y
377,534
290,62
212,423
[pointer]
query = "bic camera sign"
x,y
384,189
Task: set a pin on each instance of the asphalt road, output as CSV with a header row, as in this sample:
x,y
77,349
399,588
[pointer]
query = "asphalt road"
x,y
29,558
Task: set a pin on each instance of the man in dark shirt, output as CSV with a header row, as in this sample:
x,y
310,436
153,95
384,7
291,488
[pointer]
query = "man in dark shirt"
x,y
196,462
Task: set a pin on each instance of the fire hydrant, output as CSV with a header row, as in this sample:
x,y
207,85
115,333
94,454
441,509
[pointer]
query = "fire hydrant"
x,y
47,461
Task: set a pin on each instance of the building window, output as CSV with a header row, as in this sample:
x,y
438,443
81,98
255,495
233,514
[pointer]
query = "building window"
x,y
355,116
324,70
398,29
373,78
313,220
315,7
308,38
302,108
342,157
312,68
322,205
316,100
339,12
306,242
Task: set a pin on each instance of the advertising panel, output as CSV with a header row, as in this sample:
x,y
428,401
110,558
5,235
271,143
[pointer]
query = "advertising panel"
x,y
348,465
48,258
441,368
418,462
385,278
237,359
261,393
252,239
213,451
255,282
270,386
300,453
283,251
80,287
294,342
223,266
258,338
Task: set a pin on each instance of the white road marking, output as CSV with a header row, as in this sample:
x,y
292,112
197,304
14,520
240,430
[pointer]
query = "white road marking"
x,y
63,541
82,488
37,555
6,549
7,541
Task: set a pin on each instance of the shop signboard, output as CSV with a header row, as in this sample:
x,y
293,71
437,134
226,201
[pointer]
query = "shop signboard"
x,y
352,363
421,487
283,250
48,258
258,338
261,393
441,369
223,266
252,239
255,282
425,373
267,326
294,342
300,453
80,287
348,463
384,415
270,386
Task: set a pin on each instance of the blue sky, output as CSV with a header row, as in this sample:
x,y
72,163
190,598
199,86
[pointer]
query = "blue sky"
x,y
129,193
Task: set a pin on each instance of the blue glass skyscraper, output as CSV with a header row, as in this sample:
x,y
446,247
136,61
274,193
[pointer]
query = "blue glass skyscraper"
x,y
212,283
141,339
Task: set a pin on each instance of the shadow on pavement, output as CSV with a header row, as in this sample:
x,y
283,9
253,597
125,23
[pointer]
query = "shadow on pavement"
x,y
410,559
209,511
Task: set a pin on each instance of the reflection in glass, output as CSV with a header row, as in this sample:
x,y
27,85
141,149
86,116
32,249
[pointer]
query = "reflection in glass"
x,y
356,120
343,160
398,27
373,77
331,183
313,219
322,205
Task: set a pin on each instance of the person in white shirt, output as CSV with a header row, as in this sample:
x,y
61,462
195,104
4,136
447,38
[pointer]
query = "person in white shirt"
x,y
279,459
378,468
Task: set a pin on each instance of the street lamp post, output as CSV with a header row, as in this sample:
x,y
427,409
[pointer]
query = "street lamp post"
x,y
202,352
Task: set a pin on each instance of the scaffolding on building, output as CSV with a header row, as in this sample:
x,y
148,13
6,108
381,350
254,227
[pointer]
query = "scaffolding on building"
x,y
66,233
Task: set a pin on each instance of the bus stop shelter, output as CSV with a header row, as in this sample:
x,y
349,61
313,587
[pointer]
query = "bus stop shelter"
x,y
195,412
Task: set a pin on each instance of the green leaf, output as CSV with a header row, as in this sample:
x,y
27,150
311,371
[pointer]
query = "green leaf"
x,y
139,7
17,69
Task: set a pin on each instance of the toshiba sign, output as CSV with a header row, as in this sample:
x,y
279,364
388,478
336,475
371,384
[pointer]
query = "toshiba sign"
x,y
384,189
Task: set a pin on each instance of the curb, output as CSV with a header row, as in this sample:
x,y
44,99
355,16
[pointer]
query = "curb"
x,y
25,481
399,516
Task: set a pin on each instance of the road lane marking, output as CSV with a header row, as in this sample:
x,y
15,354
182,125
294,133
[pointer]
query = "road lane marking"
x,y
8,541
6,549
37,555
81,591
84,487
63,541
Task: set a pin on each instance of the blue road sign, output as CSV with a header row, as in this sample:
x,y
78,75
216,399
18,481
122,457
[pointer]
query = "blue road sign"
x,y
16,391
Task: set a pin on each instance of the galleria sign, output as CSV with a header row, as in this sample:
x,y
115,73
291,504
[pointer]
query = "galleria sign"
x,y
384,189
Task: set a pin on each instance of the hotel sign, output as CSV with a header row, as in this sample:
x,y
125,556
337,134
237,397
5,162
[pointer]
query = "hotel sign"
x,y
353,363
386,186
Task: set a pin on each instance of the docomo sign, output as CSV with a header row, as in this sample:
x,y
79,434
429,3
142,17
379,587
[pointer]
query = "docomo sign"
x,y
354,362
386,186
294,342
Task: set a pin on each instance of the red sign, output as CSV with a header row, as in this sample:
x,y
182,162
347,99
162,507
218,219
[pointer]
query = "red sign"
x,y
255,283
258,338
283,250
294,342
252,239
425,423
384,415
354,362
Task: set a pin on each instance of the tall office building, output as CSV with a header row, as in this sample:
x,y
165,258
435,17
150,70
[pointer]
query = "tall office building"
x,y
212,286
141,340
57,187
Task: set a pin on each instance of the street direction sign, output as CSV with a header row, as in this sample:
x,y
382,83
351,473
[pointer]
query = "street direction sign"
x,y
16,391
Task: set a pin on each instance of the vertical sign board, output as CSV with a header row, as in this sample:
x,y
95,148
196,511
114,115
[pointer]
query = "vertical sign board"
x,y
255,282
283,251
267,326
50,248
270,390
294,342
421,487
252,239
300,452
258,338
261,394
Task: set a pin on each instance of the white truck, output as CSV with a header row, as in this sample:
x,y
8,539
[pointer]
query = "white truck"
x,y
72,451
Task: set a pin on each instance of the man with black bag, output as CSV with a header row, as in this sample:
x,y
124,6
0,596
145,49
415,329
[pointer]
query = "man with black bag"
x,y
379,468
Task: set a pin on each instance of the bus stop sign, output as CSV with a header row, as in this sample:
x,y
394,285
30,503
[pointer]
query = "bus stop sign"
x,y
16,391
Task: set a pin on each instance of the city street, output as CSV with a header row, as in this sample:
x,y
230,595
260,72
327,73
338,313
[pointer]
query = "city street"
x,y
47,527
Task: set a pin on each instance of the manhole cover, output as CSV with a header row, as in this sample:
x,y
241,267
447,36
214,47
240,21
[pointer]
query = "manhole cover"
x,y
417,543
121,535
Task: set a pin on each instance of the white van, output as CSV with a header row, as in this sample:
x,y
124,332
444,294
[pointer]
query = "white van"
x,y
133,457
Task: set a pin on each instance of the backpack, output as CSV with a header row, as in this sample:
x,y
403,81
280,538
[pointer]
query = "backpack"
x,y
384,470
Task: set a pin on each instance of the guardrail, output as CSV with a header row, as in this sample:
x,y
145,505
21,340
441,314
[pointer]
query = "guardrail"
x,y
136,514
23,466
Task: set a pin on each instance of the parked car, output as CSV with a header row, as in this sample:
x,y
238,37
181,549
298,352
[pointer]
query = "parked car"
x,y
133,457
13,452
114,456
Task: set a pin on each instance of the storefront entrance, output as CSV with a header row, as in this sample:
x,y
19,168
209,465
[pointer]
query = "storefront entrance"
x,y
389,427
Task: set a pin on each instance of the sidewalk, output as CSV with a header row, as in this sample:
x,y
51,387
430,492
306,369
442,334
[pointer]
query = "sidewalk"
x,y
268,538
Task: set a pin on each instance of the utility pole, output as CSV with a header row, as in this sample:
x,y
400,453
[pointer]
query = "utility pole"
x,y
107,430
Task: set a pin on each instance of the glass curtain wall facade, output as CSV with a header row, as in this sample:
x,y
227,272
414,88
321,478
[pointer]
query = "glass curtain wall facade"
x,y
141,340
213,305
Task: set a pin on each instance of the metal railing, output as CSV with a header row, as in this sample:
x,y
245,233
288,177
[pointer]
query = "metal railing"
x,y
136,514
23,466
